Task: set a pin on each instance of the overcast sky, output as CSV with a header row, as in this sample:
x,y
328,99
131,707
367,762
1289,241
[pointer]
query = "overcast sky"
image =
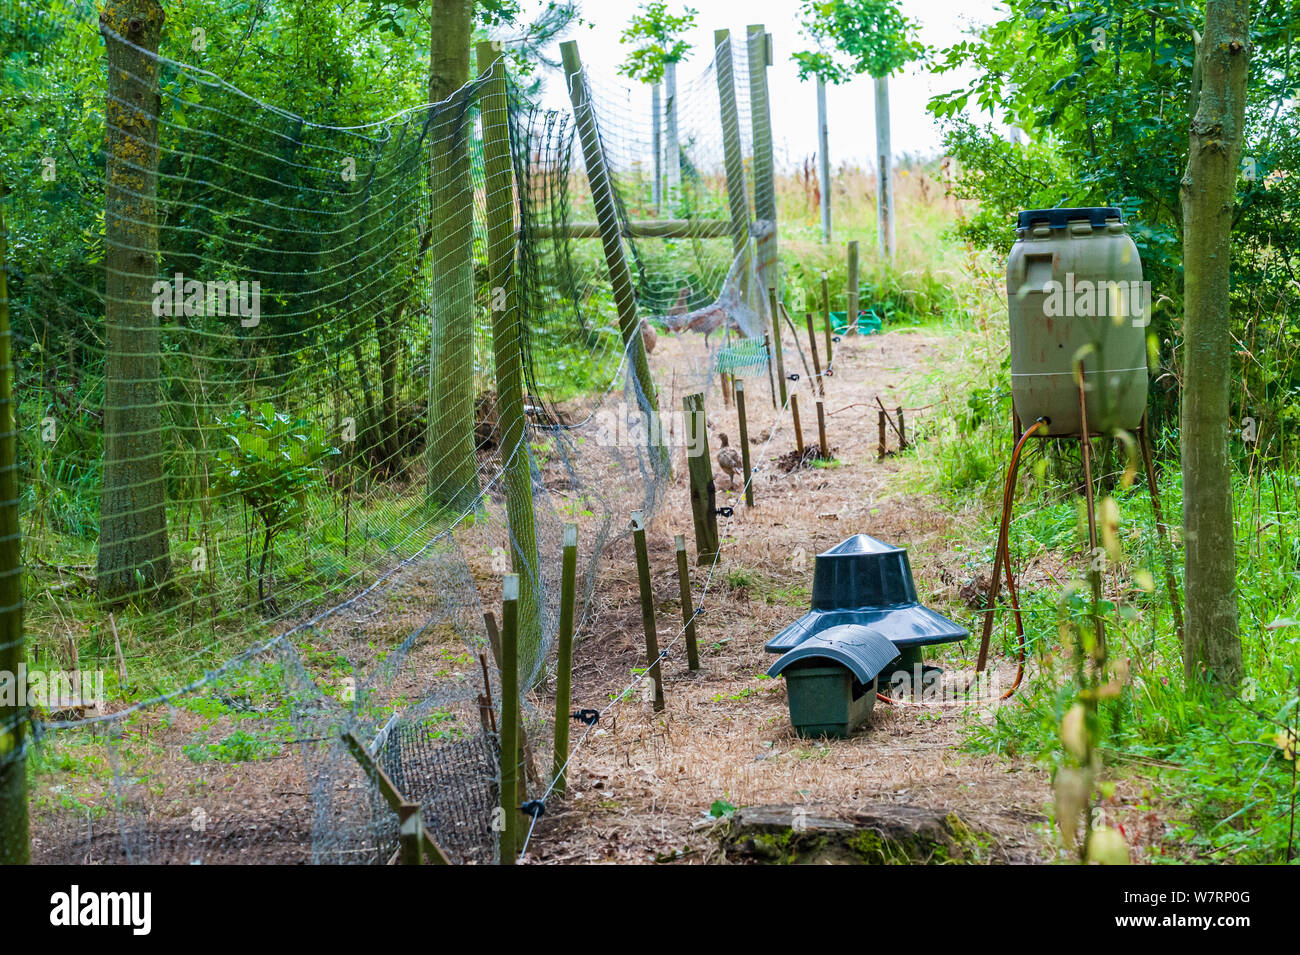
x,y
794,106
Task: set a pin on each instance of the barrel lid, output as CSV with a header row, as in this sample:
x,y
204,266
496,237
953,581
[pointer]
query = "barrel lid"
x,y
1060,218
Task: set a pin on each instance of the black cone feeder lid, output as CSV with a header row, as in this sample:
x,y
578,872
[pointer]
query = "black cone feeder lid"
x,y
868,583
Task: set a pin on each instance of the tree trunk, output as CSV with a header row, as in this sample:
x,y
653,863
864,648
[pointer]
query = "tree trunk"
x,y
453,469
885,165
133,546
1212,647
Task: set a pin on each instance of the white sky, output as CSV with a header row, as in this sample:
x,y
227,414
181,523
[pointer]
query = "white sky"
x,y
850,107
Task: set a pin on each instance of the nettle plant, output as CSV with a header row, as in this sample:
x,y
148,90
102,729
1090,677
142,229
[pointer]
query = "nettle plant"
x,y
273,462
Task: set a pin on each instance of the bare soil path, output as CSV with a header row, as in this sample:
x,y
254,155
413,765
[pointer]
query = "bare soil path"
x,y
641,785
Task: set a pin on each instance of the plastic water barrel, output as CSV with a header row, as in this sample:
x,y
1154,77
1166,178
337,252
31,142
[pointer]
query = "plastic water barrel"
x,y
1074,287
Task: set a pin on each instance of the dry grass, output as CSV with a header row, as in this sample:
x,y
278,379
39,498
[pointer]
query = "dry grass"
x,y
642,784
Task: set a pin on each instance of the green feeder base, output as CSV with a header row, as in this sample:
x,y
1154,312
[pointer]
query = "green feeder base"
x,y
823,701
868,322
911,666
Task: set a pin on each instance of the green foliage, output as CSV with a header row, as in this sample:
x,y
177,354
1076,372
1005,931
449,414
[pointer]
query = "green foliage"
x,y
658,35
856,36
238,747
721,809
272,462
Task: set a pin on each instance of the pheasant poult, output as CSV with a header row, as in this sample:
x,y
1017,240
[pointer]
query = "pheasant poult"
x,y
649,336
729,460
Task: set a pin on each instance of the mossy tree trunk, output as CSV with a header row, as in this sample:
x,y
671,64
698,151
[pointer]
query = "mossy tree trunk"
x,y
133,547
1212,646
453,469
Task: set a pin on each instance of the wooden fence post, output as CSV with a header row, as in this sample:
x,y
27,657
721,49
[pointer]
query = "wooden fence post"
x,y
824,160
510,718
656,143
819,386
611,237
564,656
688,608
821,431
733,158
884,444
760,57
744,441
15,840
771,379
704,494
826,314
507,352
647,607
854,303
390,793
776,342
798,429
410,829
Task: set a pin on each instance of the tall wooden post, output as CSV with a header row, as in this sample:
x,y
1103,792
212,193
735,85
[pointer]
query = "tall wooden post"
x,y
688,608
657,144
760,58
451,463
771,376
776,343
672,146
819,386
854,303
14,834
826,316
732,155
744,441
824,160
410,828
798,427
611,238
564,655
510,718
885,164
647,607
704,494
821,431
499,188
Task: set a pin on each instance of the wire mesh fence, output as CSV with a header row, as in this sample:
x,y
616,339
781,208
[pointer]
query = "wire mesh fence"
x,y
275,455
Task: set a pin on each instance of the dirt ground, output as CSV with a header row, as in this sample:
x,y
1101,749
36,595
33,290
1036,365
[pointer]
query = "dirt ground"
x,y
642,783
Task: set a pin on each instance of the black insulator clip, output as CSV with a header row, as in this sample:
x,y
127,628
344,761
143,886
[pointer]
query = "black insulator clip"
x,y
725,511
534,808
586,716
793,376
835,338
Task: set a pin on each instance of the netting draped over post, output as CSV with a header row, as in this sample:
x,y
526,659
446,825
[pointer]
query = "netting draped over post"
x,y
265,496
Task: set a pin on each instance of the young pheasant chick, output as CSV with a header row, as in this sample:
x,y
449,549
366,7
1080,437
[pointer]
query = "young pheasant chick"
x,y
729,460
